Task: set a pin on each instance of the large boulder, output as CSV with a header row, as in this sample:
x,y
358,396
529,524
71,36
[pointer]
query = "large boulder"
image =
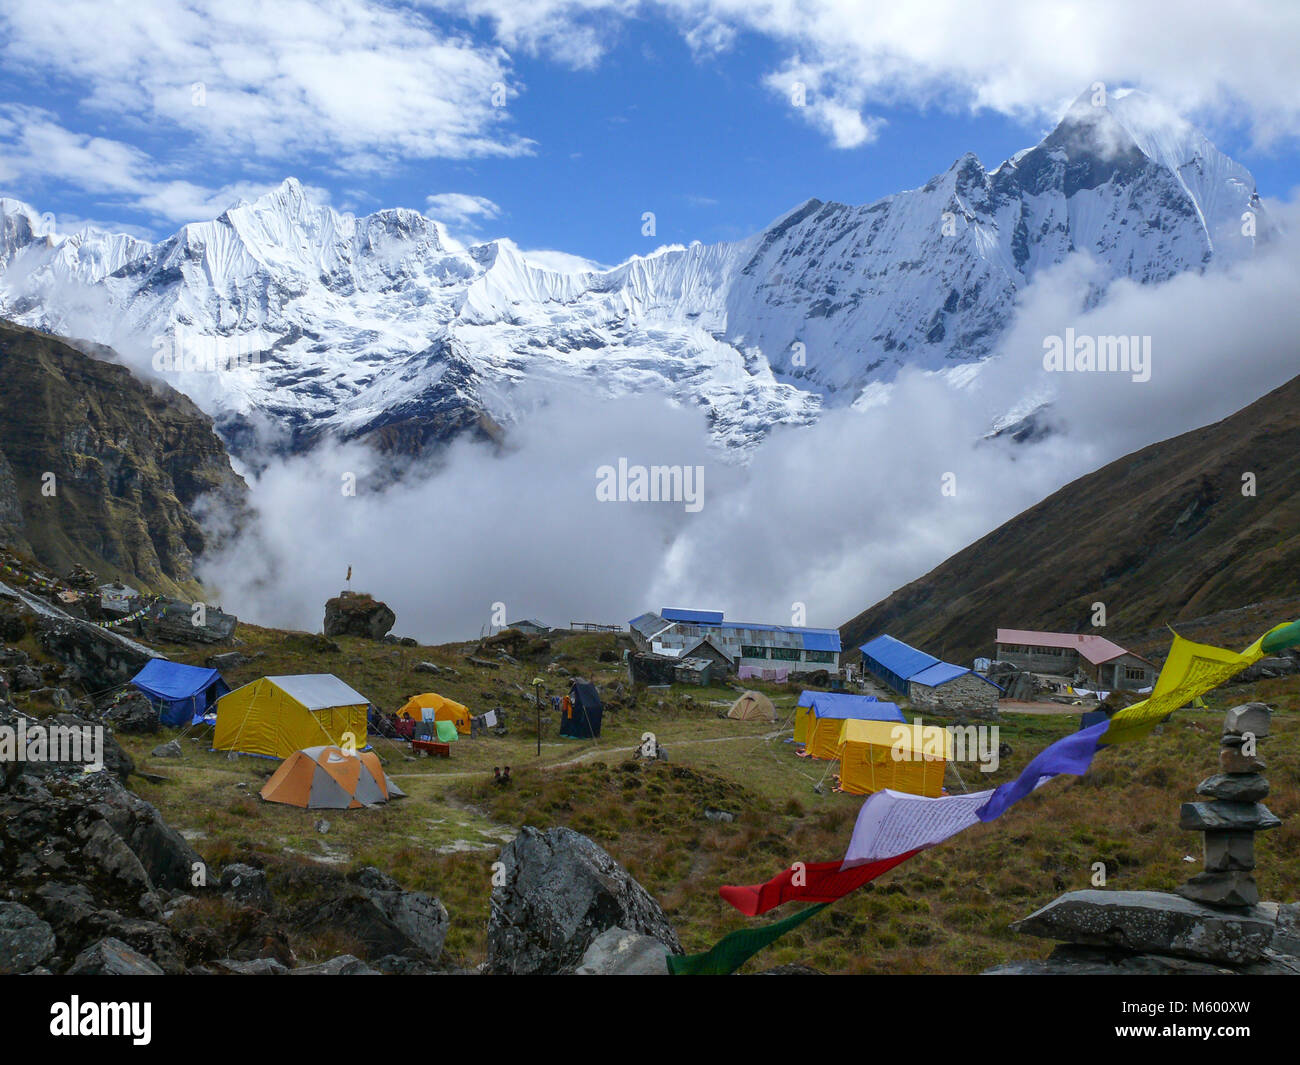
x,y
379,913
1153,922
25,940
112,957
99,658
560,891
358,614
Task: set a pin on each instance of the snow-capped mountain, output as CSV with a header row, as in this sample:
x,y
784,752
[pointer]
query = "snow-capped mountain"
x,y
383,327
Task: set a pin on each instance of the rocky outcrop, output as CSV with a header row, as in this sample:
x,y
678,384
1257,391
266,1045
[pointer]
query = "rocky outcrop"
x,y
387,919
132,713
358,614
132,464
25,940
179,621
559,892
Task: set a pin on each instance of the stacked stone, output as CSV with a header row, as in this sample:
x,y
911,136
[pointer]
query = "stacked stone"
x,y
1233,814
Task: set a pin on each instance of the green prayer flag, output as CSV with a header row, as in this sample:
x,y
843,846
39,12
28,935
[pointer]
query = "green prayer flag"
x,y
734,949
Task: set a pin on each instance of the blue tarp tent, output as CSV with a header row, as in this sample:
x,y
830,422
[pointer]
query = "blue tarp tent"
x,y
841,706
182,694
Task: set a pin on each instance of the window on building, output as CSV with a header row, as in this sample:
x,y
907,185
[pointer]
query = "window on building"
x,y
786,654
750,651
819,656
1134,673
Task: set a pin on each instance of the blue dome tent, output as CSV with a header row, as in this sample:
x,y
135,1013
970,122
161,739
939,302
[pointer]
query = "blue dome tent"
x,y
182,694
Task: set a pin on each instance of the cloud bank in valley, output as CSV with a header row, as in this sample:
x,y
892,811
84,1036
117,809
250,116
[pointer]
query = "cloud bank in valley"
x,y
833,516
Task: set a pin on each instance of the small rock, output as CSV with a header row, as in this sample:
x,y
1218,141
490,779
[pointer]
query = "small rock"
x,y
1220,816
1231,760
171,749
25,940
1250,718
1234,787
343,965
247,885
618,952
322,826
255,967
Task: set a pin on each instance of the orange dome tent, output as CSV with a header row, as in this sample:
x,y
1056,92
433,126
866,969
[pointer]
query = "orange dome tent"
x,y
328,778
434,707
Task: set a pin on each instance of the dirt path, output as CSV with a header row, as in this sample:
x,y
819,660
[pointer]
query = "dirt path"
x,y
587,756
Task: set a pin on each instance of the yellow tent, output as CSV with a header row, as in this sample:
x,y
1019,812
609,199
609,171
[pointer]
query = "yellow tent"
x,y
886,754
434,707
281,715
802,717
822,735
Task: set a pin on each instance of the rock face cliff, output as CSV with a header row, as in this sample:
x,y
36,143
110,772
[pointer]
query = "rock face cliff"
x,y
101,469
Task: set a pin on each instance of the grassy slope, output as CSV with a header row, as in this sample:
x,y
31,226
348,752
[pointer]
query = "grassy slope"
x,y
945,911
1160,535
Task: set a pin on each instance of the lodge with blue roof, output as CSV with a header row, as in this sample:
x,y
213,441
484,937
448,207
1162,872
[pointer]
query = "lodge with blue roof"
x,y
928,682
752,649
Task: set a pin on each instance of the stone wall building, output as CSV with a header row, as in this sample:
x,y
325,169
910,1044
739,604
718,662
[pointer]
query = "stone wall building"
x,y
952,689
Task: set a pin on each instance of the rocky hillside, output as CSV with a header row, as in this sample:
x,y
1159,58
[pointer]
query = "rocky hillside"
x,y
1163,534
130,464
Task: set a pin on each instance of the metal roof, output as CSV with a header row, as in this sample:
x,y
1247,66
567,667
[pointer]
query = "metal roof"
x,y
698,617
820,639
943,672
897,657
1096,649
319,691
649,624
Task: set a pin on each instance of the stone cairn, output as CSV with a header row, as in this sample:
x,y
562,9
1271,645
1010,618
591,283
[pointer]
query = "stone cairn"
x,y
1233,814
1216,922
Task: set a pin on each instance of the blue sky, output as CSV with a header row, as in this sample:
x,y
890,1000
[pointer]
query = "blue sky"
x,y
614,107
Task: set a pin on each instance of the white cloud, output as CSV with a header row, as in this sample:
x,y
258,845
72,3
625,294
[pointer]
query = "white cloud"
x,y
1026,60
562,262
356,82
460,208
35,151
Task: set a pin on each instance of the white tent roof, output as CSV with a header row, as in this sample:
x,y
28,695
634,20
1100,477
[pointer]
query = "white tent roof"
x,y
319,691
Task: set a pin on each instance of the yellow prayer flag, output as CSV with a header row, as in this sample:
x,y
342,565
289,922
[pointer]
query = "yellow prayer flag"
x,y
1191,670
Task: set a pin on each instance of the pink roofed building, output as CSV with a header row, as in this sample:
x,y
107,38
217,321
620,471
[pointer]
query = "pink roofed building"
x,y
1102,662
